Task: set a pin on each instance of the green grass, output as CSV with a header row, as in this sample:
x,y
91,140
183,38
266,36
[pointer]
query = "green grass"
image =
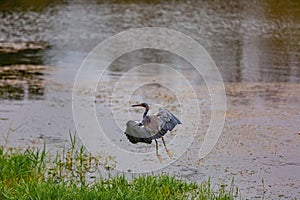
x,y
33,174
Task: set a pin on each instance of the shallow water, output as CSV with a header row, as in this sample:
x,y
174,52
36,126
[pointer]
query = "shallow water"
x,y
255,46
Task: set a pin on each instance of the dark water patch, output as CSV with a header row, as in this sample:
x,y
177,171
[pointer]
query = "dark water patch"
x,y
8,91
21,71
18,82
30,91
12,53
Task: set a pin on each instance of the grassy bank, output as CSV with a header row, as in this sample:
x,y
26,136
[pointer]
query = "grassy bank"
x,y
33,174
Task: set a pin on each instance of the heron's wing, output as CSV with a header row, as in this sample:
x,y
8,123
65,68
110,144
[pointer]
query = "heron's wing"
x,y
135,132
168,122
152,124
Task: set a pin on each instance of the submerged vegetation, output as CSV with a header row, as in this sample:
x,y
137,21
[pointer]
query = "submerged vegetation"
x,y
33,174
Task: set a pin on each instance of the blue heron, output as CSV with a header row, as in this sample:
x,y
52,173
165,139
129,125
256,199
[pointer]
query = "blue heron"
x,y
151,127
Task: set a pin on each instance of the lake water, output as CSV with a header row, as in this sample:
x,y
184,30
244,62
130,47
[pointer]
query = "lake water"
x,y
256,46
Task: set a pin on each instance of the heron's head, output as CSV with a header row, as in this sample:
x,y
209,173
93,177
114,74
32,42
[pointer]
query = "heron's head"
x,y
145,105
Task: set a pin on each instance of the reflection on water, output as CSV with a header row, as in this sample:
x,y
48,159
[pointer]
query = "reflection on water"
x,y
23,57
257,41
140,57
21,71
18,82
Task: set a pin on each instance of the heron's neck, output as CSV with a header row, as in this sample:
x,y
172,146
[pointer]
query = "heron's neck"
x,y
146,111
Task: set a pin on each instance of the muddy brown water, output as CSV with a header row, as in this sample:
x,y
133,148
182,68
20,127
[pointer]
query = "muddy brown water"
x,y
254,44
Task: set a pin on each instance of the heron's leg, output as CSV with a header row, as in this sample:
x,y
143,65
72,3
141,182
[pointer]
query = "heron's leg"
x,y
167,150
158,156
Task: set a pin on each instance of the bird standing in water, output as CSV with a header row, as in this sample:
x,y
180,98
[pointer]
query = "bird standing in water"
x,y
151,127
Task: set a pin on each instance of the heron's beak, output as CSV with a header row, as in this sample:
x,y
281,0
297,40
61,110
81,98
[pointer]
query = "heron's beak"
x,y
136,105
